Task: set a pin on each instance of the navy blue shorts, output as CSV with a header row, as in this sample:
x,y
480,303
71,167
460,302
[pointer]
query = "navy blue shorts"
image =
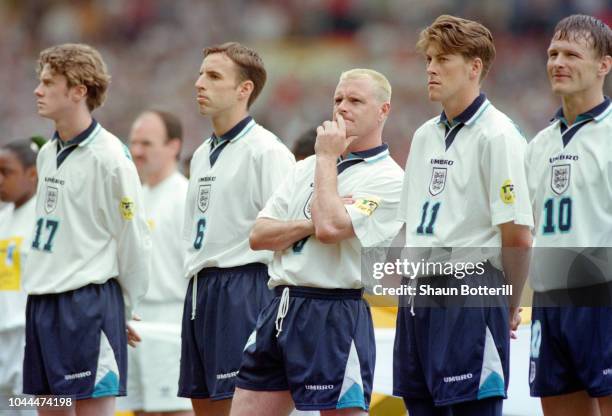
x,y
324,354
228,303
76,343
571,350
452,354
492,406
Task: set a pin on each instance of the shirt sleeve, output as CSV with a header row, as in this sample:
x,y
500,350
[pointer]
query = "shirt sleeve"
x,y
275,164
189,211
504,166
402,210
374,212
277,206
126,219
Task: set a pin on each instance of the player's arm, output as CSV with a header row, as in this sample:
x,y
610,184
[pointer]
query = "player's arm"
x,y
331,220
273,230
511,210
278,235
124,214
516,255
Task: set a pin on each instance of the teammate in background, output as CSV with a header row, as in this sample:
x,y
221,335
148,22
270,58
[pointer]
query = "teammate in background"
x,y
314,346
569,166
465,186
304,145
17,186
233,173
155,145
89,262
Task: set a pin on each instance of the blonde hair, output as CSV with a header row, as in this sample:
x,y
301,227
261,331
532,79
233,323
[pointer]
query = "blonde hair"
x,y
381,83
456,35
81,65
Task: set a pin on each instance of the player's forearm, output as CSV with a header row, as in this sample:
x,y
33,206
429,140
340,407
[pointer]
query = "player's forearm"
x,y
277,235
331,221
516,256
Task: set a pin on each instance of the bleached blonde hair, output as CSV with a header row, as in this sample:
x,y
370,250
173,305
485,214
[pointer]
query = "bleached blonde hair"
x,y
381,83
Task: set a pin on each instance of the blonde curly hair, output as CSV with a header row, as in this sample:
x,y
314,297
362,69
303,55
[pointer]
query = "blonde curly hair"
x,y
81,65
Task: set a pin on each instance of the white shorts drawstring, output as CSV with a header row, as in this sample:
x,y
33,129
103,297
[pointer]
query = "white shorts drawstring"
x,y
412,297
283,307
194,296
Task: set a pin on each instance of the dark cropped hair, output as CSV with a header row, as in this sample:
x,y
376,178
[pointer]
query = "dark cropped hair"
x,y
173,125
249,63
594,30
26,150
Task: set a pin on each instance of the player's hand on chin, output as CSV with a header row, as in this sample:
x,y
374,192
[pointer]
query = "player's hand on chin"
x,y
331,138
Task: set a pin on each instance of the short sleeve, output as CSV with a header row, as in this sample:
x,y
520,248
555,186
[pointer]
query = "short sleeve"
x,y
374,212
504,162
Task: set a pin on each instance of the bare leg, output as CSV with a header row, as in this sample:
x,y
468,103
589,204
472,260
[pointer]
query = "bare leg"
x,y
269,403
579,403
605,405
207,407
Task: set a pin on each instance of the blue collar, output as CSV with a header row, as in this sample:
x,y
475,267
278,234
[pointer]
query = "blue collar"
x,y
369,155
232,133
79,139
596,113
467,116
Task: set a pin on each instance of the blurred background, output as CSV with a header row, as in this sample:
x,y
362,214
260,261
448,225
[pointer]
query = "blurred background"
x,y
154,48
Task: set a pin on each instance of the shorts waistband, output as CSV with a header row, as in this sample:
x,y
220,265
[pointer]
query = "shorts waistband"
x,y
599,295
319,293
242,268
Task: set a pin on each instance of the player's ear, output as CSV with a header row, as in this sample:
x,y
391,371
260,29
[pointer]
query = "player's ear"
x,y
245,89
605,65
385,108
32,174
476,68
175,146
78,92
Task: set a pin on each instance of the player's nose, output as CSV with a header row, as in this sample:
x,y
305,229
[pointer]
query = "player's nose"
x,y
38,90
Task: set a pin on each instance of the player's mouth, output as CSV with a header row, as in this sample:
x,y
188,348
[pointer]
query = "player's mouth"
x,y
201,99
433,84
559,77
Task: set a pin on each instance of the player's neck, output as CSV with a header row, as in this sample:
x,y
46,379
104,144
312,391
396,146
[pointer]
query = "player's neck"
x,y
72,124
459,102
364,143
576,104
158,177
223,122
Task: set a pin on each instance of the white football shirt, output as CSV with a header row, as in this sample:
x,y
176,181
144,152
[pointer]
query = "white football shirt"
x,y
90,222
15,239
165,208
224,197
463,179
570,181
374,182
